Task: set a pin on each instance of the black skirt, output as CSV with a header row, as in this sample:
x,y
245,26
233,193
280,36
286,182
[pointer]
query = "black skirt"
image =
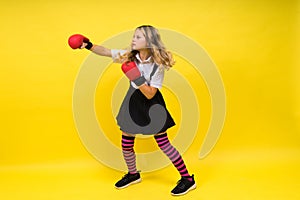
x,y
139,115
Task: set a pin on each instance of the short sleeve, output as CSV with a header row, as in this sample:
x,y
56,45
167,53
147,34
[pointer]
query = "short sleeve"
x,y
157,78
116,53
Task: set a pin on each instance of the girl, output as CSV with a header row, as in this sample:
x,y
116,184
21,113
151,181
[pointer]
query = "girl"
x,y
144,65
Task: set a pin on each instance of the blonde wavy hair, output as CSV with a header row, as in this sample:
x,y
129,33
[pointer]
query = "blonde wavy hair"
x,y
159,54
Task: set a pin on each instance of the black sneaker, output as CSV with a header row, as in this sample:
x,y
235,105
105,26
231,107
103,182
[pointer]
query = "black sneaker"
x,y
127,180
184,186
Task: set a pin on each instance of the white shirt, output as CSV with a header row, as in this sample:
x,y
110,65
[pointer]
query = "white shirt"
x,y
145,67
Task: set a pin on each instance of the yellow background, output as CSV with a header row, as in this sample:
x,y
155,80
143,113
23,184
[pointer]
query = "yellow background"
x,y
255,45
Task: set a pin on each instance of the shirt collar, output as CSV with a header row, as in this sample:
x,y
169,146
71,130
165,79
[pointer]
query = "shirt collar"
x,y
145,61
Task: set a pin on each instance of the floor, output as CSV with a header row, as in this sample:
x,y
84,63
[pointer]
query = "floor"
x,y
244,174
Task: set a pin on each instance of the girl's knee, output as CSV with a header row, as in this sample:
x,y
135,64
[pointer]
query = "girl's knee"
x,y
128,134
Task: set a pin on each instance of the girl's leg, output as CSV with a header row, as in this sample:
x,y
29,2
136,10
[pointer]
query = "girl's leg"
x,y
165,145
186,182
128,152
133,175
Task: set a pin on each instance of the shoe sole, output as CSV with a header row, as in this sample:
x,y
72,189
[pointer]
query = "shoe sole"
x,y
183,193
131,183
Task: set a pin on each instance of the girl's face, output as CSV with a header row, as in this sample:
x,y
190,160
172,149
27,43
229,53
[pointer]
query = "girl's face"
x,y
138,41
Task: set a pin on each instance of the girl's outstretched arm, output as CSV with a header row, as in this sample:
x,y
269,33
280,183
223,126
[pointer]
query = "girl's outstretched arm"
x,y
99,50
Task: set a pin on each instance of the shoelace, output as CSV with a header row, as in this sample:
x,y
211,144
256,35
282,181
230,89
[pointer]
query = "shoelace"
x,y
125,177
181,184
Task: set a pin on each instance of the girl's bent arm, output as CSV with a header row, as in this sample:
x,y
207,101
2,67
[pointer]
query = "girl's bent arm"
x,y
148,91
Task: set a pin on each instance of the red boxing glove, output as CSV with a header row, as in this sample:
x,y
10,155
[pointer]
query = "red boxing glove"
x,y
133,73
75,41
